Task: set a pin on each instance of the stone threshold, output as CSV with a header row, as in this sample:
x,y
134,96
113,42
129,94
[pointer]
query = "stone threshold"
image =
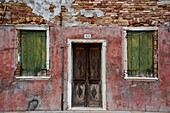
x,y
85,112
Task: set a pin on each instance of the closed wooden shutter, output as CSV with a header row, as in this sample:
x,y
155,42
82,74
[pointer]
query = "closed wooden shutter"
x,y
33,52
140,54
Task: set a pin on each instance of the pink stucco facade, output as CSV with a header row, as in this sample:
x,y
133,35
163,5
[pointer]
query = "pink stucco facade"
x,y
121,94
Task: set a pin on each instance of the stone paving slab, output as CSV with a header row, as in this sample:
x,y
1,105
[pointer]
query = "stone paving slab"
x,y
85,112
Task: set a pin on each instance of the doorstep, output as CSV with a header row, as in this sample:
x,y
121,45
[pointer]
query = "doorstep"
x,y
86,112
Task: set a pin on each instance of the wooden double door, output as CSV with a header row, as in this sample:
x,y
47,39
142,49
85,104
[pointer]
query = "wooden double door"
x,y
86,84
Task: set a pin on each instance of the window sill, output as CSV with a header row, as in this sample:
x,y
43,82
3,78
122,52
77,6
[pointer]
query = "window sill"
x,y
140,79
33,77
86,108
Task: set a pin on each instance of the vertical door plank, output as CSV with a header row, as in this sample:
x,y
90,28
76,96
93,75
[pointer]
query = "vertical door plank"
x,y
79,75
94,98
94,62
79,62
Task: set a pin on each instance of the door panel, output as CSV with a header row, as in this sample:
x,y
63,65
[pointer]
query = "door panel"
x,y
86,90
94,96
94,58
79,95
94,89
79,74
79,63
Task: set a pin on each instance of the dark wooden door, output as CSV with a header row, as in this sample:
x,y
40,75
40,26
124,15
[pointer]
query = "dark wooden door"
x,y
86,90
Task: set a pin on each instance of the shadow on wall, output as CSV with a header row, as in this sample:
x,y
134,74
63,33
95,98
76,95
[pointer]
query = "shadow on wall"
x,y
32,105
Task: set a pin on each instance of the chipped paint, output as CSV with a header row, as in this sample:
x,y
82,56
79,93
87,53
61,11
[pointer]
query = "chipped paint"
x,y
90,13
74,24
41,7
167,26
163,2
86,13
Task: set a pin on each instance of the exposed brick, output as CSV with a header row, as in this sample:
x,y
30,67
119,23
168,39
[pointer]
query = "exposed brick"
x,y
121,94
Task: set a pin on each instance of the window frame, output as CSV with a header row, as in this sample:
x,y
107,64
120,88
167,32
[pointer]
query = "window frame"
x,y
18,54
124,47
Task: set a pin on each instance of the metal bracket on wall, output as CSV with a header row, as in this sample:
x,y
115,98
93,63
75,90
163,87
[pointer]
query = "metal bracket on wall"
x,y
167,26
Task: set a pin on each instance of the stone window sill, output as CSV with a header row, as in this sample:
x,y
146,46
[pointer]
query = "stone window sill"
x,y
147,79
33,77
86,108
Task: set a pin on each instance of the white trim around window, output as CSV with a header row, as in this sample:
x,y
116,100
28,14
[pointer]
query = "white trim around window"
x,y
124,47
41,28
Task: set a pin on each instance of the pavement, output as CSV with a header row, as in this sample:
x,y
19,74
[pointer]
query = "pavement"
x,y
85,112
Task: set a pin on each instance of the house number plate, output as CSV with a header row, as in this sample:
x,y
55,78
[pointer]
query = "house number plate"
x,y
87,35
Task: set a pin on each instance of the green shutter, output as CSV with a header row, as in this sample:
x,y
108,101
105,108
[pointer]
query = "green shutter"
x,y
33,52
150,54
143,53
139,53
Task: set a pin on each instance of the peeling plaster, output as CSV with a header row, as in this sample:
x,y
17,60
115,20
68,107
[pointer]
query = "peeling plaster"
x,y
90,13
86,13
167,26
41,7
74,24
163,2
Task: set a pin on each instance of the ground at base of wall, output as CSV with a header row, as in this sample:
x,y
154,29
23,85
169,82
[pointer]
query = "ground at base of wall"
x,y
86,112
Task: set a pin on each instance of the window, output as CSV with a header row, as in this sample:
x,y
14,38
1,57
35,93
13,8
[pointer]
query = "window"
x,y
141,55
33,53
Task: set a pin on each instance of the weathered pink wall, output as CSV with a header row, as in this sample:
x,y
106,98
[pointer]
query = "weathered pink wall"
x,y
16,94
6,61
121,94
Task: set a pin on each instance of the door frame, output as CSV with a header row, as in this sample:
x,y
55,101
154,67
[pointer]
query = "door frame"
x,y
103,43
